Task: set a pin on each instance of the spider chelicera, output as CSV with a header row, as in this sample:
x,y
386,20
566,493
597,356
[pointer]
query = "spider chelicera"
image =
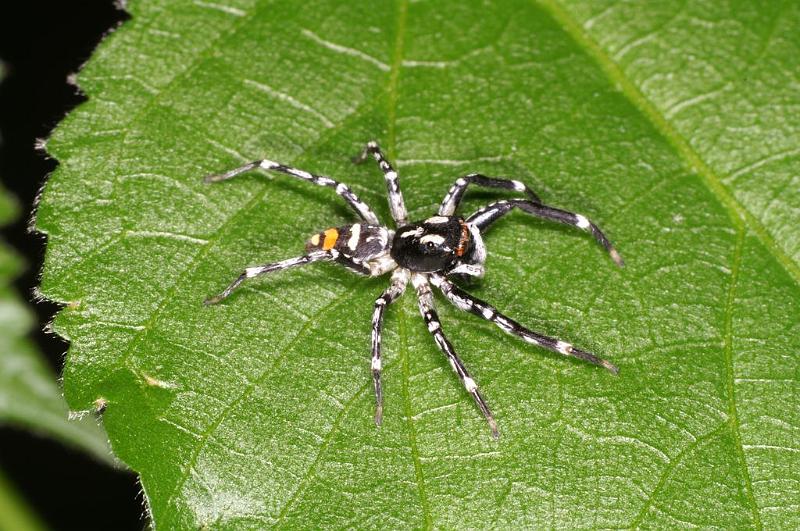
x,y
425,252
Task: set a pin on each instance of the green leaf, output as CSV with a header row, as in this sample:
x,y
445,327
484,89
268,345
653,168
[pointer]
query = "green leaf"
x,y
29,395
259,410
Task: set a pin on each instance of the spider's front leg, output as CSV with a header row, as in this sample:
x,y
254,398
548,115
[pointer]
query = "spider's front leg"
x,y
464,301
428,312
453,198
395,289
255,271
487,215
396,203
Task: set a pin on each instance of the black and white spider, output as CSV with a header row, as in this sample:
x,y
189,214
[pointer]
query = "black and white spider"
x,y
424,252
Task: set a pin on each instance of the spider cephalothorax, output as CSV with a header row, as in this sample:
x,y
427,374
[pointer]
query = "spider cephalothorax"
x,y
427,252
432,245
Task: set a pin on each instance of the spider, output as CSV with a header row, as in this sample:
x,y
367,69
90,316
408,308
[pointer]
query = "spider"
x,y
427,252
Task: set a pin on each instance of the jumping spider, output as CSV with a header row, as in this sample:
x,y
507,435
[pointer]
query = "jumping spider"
x,y
425,252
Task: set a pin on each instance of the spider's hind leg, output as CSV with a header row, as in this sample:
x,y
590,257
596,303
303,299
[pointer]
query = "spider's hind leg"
x,y
255,271
344,191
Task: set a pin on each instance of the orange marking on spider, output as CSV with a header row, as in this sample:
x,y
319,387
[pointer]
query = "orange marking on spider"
x,y
464,240
331,235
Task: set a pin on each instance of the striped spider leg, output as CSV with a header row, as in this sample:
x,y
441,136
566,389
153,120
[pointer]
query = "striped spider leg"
x,y
255,271
361,208
396,203
487,215
428,312
396,288
456,192
464,301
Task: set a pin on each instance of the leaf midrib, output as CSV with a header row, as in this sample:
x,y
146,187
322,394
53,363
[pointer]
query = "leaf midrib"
x,y
740,216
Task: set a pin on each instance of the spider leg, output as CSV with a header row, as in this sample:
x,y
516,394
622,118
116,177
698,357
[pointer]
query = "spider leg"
x,y
456,192
391,294
353,265
255,271
487,215
428,312
396,203
464,301
361,208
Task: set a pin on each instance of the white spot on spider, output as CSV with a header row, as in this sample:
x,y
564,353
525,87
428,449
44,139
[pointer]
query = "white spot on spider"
x,y
376,364
355,235
483,216
564,348
464,304
433,326
470,384
531,339
341,188
503,323
410,232
325,181
432,238
582,222
391,175
461,181
251,272
487,312
437,219
302,174
398,207
268,164
518,186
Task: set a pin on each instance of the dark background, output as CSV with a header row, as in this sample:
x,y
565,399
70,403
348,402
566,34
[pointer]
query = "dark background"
x,y
41,43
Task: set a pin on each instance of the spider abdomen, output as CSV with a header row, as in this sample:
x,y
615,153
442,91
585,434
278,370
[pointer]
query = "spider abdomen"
x,y
359,241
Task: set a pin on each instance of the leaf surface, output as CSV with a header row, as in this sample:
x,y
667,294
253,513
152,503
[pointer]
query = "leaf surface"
x,y
259,411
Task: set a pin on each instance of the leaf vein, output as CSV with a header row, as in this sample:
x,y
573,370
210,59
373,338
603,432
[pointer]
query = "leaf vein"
x,y
730,383
739,215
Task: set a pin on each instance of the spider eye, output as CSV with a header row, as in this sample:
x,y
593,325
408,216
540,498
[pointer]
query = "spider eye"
x,y
430,246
